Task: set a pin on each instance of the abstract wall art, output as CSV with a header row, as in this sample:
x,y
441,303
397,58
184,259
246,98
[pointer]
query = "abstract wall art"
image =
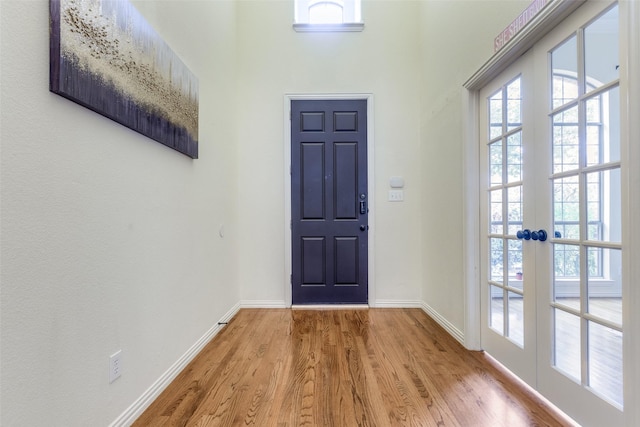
x,y
106,57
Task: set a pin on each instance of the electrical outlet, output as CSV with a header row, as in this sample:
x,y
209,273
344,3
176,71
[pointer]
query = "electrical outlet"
x,y
115,366
396,195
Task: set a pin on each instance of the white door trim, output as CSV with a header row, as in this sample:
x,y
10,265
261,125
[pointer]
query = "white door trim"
x,y
287,186
552,15
471,220
630,129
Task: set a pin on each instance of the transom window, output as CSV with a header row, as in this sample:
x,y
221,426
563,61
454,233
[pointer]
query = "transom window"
x,y
326,12
328,15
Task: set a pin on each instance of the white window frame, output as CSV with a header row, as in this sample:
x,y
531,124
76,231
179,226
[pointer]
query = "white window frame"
x,y
351,16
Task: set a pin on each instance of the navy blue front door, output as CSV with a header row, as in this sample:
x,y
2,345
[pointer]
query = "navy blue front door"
x,y
329,201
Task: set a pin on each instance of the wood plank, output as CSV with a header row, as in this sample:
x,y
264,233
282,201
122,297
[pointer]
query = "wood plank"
x,y
375,367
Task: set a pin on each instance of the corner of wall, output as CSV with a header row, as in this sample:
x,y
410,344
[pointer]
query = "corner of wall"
x,y
151,394
442,321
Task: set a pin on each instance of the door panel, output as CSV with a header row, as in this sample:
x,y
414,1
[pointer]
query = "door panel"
x,y
329,201
312,177
580,304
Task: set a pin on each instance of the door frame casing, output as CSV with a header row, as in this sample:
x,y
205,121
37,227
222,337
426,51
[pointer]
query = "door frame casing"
x,y
288,268
630,85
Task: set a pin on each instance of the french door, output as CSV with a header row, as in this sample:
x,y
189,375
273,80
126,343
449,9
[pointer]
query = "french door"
x,y
551,203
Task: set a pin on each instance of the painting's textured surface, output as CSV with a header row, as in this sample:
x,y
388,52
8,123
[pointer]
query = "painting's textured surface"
x,y
105,56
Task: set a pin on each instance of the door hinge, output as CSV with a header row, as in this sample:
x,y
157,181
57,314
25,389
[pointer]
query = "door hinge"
x,y
291,279
290,224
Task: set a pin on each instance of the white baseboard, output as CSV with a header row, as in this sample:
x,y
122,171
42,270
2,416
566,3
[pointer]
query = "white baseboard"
x,y
440,320
382,303
262,304
142,403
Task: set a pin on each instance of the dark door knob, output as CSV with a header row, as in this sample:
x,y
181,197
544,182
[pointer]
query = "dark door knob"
x,y
540,235
363,227
527,234
524,234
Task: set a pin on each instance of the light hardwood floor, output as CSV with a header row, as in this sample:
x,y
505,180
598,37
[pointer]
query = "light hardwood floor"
x,y
369,367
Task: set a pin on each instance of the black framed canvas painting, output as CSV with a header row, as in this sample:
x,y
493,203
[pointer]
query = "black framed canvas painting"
x,y
106,57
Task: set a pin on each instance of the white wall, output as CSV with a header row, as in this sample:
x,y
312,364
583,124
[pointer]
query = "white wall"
x,y
456,39
274,60
109,239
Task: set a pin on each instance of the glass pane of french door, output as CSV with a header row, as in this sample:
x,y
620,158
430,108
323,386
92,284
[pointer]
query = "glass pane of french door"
x,y
505,193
